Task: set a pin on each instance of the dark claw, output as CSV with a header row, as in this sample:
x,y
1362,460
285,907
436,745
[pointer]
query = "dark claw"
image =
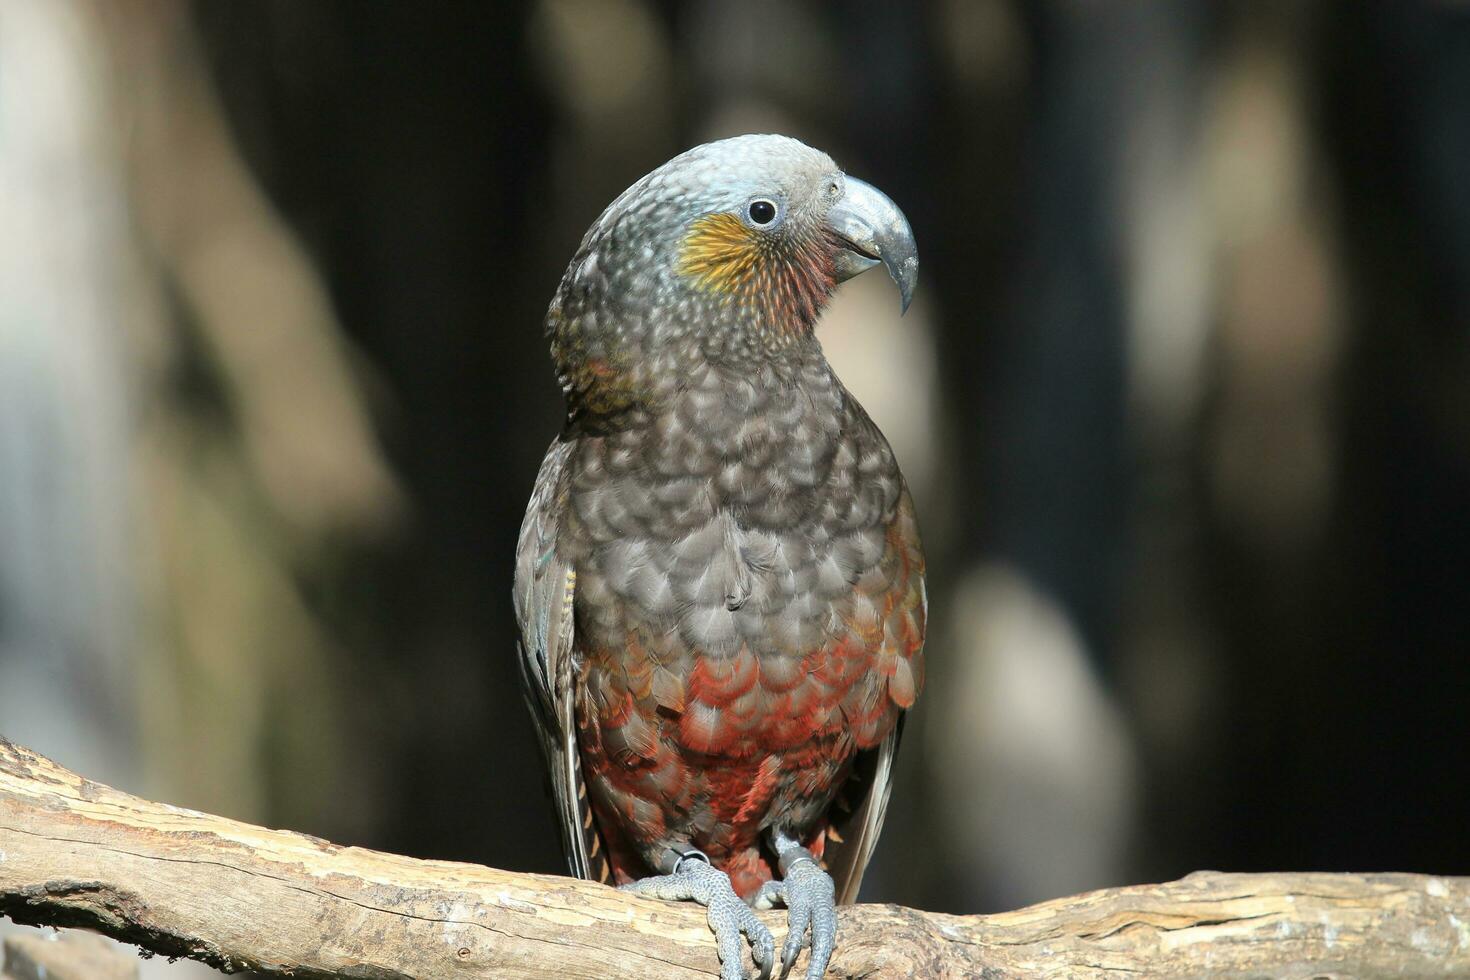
x,y
788,959
796,926
762,949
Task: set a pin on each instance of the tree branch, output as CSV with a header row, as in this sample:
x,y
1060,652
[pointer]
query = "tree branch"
x,y
182,883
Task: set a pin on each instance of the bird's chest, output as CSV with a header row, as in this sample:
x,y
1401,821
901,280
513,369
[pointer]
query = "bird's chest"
x,y
717,551
732,516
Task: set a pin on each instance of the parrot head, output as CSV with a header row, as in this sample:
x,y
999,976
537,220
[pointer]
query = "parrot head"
x,y
726,254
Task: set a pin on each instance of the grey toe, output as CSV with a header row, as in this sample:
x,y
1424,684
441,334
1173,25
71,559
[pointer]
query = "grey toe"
x,y
729,918
810,896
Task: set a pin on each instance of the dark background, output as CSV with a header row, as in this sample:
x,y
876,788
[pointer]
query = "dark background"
x,y
1185,401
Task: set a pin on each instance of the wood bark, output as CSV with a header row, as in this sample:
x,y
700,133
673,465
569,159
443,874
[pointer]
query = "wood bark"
x,y
182,883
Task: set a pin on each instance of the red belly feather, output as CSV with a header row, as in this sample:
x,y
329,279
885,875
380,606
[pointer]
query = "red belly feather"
x,y
716,750
745,746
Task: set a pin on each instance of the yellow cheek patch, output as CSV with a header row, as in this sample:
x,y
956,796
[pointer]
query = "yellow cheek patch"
x,y
720,252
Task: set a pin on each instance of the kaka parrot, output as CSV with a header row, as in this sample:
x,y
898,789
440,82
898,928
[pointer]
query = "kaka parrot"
x,y
719,582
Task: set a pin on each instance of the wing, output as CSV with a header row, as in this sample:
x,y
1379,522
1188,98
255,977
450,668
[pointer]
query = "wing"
x,y
544,590
856,817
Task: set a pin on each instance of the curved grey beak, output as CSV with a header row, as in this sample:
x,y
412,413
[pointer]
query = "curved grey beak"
x,y
872,229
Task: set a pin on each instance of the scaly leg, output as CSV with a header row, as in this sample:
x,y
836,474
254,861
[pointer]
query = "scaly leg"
x,y
692,878
809,896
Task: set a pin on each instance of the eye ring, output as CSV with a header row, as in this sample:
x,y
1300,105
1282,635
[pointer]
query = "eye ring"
x,y
762,212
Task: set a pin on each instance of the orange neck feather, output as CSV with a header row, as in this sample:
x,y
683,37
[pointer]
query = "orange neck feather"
x,y
788,280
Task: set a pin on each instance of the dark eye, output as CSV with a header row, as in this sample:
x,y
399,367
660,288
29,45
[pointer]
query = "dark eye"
x,y
762,212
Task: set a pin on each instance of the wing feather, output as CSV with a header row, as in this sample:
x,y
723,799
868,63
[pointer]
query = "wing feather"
x,y
545,589
857,819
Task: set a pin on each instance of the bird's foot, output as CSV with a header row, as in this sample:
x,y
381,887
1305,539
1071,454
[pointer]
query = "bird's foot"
x,y
809,896
695,879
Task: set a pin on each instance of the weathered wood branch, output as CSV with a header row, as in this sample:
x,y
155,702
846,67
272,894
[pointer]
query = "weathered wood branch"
x,y
182,883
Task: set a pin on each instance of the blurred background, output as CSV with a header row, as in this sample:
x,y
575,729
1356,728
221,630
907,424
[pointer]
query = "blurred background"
x,y
1184,399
